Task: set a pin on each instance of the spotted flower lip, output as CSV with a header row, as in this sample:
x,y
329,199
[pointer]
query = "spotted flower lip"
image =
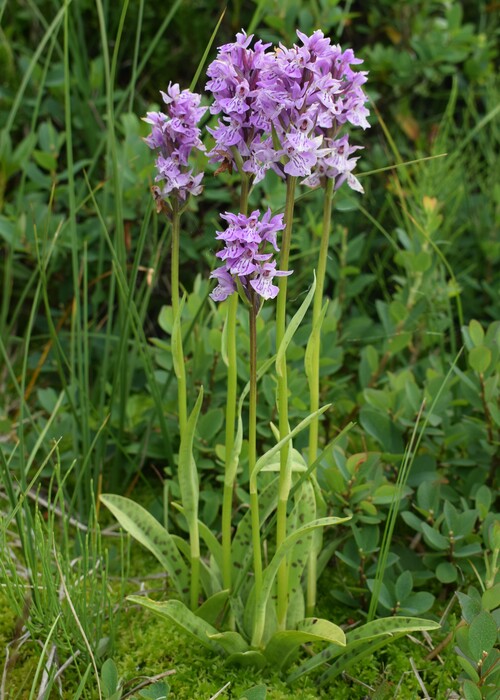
x,y
174,136
245,257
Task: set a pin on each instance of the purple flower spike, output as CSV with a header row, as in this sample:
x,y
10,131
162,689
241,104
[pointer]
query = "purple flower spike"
x,y
281,110
245,257
174,135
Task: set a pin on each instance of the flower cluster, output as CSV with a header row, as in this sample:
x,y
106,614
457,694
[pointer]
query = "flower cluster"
x,y
174,135
246,264
284,109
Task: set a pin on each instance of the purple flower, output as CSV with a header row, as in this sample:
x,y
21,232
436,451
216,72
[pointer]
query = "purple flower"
x,y
245,257
174,135
263,280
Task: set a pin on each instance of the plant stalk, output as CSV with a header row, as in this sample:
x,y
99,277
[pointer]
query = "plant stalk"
x,y
174,281
314,384
285,478
252,452
231,400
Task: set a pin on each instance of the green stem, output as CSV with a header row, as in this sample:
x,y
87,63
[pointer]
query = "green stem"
x,y
231,399
285,477
314,387
174,281
232,386
252,453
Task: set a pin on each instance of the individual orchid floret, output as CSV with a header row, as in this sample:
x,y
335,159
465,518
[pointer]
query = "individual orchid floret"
x,y
262,282
248,267
174,136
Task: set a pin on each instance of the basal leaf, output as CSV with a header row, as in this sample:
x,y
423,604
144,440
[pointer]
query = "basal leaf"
x,y
271,570
177,612
151,534
281,647
386,626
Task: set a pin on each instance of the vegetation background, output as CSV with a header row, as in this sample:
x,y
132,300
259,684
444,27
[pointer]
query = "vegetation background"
x,y
87,401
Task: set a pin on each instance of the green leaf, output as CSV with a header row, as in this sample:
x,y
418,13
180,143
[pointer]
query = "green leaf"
x,y
187,472
210,424
157,691
177,612
151,534
214,608
231,641
314,339
446,572
418,603
404,586
382,428
476,332
386,626
109,678
272,569
257,692
282,645
45,160
247,659
482,634
480,359
262,461
291,329
176,339
491,598
471,691
468,668
434,538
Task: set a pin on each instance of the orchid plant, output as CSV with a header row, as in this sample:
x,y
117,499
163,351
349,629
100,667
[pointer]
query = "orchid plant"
x,y
280,110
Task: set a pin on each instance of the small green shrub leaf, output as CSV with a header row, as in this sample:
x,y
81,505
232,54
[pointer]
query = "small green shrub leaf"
x,y
480,358
257,692
434,538
157,691
491,598
471,691
468,668
446,572
482,634
476,332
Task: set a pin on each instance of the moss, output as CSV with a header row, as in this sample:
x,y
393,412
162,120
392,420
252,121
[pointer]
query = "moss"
x,y
147,646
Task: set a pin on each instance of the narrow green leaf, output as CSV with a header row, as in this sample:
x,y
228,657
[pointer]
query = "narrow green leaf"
x,y
184,618
386,626
314,339
298,428
187,472
151,534
291,329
